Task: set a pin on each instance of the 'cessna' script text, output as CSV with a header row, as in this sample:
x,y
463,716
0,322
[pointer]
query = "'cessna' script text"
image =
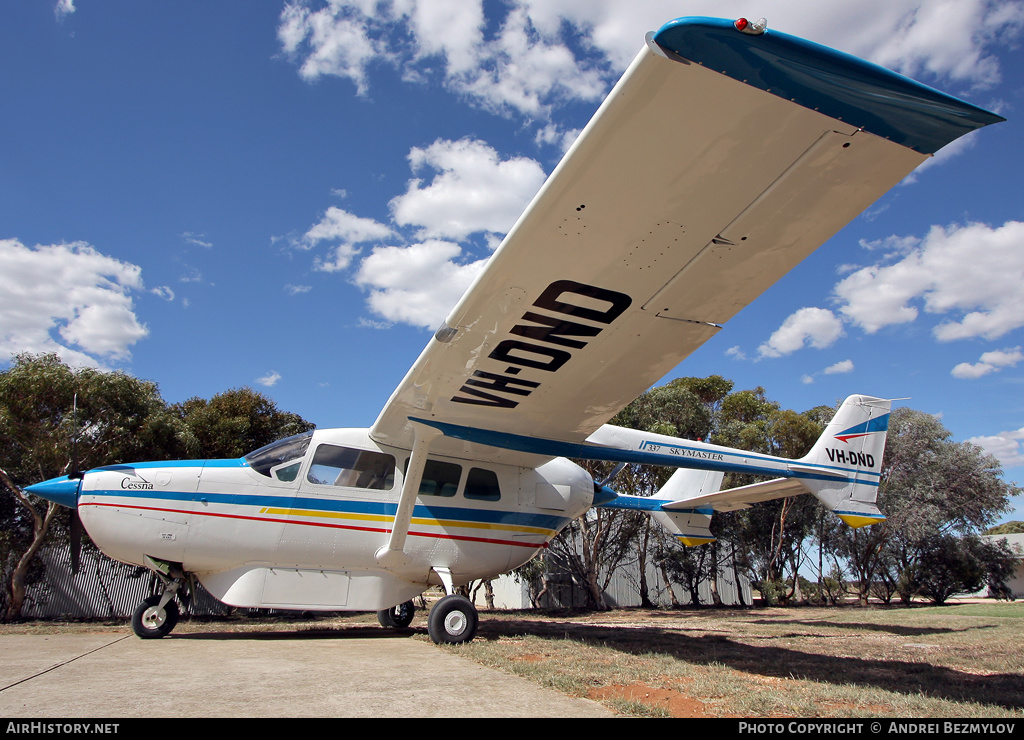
x,y
131,485
550,335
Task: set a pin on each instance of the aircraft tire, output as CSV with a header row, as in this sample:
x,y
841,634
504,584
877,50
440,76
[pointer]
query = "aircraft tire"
x,y
452,621
150,622
397,617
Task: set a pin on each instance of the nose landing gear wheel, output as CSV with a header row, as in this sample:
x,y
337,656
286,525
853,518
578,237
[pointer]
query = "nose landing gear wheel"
x,y
453,620
397,617
151,621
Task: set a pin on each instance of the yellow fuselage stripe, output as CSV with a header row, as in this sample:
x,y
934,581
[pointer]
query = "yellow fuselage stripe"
x,y
419,521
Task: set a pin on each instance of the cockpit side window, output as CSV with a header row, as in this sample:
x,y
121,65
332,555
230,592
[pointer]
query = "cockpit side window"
x,y
281,451
344,466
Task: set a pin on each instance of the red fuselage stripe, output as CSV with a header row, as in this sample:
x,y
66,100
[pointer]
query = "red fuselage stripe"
x,y
326,525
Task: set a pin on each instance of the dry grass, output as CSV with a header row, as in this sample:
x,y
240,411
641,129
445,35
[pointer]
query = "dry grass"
x,y
963,660
953,661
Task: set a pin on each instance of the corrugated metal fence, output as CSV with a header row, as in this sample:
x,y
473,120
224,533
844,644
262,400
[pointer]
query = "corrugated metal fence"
x,y
106,588
561,591
101,588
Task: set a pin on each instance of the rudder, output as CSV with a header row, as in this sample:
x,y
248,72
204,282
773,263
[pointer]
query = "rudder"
x,y
843,469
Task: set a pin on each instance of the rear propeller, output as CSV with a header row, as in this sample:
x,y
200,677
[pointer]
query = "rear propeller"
x,y
75,530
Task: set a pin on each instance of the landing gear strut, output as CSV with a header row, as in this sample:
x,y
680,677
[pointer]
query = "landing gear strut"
x,y
158,614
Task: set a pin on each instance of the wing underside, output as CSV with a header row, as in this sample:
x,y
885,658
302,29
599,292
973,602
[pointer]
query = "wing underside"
x,y
690,192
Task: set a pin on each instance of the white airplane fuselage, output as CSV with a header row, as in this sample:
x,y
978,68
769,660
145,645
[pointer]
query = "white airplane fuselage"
x,y
303,534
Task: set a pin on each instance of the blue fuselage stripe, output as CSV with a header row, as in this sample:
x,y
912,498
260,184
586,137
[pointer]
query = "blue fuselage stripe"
x,y
701,459
382,508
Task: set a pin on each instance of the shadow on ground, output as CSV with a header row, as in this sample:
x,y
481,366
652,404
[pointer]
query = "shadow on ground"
x,y
916,677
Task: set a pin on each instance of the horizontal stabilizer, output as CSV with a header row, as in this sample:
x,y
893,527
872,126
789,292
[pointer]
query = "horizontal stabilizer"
x,y
690,524
742,497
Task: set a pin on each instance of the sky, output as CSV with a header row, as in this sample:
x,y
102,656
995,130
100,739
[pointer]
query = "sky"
x,y
290,196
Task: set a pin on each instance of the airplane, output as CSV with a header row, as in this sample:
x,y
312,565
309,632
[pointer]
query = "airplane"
x,y
724,156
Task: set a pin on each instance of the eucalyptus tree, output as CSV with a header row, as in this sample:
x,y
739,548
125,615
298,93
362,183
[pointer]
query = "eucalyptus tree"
x,y
769,539
594,546
53,420
934,492
234,423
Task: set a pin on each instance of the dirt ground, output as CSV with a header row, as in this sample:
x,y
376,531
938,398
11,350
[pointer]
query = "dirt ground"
x,y
962,660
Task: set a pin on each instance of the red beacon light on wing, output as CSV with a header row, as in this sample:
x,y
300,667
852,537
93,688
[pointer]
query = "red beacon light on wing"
x,y
751,28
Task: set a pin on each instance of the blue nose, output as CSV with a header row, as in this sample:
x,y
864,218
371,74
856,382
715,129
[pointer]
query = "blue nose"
x,y
63,490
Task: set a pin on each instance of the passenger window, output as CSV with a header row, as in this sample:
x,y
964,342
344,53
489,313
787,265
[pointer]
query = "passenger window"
x,y
482,485
439,478
343,466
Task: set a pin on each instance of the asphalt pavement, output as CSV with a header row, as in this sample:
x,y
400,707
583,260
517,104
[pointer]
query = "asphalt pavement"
x,y
356,673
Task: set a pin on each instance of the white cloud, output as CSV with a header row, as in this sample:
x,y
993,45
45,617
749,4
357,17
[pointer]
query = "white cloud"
x,y
269,379
845,366
736,353
973,272
472,191
337,260
1004,446
969,274
338,224
544,52
527,57
164,292
198,240
68,299
418,284
521,67
817,327
327,44
192,275
64,8
297,289
527,70
553,135
990,362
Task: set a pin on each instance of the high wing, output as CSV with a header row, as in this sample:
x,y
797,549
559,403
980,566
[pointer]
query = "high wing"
x,y
718,162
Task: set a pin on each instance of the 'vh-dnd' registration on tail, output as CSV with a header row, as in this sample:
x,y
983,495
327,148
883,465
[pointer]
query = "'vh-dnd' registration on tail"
x,y
725,155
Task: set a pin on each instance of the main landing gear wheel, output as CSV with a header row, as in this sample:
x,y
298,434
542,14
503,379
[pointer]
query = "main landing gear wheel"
x,y
453,620
151,621
397,617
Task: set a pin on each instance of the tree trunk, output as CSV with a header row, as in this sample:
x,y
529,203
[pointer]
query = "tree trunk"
x,y
40,526
644,589
716,598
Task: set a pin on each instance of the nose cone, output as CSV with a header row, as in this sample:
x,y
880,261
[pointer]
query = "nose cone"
x,y
63,490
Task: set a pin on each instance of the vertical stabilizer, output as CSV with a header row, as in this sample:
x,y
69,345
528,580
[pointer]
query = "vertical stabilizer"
x,y
844,467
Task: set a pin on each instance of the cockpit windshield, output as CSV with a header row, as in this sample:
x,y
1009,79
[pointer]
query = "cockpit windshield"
x,y
281,451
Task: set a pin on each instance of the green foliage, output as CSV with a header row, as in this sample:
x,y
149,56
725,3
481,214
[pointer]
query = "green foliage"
x,y
1014,527
932,491
948,564
55,419
119,419
234,423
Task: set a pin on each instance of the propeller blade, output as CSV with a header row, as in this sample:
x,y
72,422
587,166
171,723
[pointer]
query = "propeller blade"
x,y
76,541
